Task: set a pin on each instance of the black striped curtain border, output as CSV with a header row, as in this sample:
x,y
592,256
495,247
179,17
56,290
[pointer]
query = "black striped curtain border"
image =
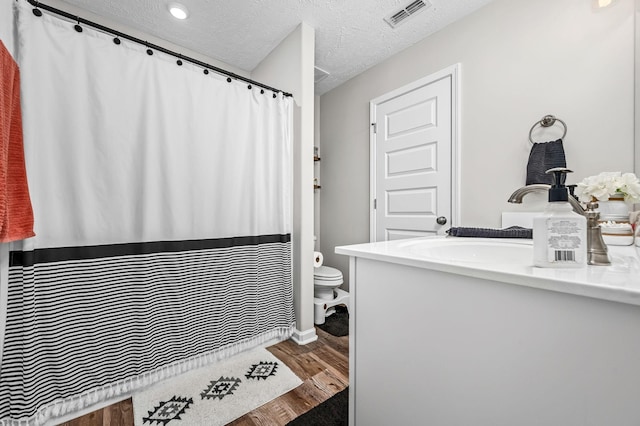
x,y
58,254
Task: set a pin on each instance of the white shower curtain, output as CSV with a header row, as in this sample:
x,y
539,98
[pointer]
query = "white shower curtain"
x,y
162,205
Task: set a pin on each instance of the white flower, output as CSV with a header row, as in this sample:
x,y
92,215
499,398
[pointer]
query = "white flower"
x,y
607,184
630,187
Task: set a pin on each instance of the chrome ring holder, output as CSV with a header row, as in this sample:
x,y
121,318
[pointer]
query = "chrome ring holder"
x,y
547,121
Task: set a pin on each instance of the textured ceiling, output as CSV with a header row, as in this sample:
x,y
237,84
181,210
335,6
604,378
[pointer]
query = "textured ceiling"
x,y
351,35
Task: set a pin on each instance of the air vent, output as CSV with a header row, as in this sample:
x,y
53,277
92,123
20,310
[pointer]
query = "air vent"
x,y
319,74
400,16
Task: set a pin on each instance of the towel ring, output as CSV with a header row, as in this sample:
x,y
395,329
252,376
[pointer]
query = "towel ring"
x,y
548,121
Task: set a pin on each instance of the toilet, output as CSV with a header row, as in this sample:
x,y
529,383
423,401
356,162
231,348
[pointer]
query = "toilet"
x,y
326,293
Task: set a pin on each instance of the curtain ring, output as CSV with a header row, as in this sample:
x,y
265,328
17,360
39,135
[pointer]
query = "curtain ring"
x,y
77,26
37,11
149,51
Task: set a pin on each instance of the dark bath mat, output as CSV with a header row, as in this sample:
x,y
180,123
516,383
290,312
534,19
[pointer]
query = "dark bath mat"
x,y
333,412
338,323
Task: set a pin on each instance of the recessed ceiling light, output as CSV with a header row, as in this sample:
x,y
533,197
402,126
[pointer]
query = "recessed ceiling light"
x,y
178,11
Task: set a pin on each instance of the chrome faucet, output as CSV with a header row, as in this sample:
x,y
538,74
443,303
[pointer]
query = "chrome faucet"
x,y
597,253
519,194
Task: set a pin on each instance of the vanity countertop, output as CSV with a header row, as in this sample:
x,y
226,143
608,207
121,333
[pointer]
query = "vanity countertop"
x,y
513,263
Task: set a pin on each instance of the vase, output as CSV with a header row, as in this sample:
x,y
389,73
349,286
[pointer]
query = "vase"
x,y
614,221
615,209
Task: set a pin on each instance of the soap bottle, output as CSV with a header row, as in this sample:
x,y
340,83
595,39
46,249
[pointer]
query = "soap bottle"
x,y
559,234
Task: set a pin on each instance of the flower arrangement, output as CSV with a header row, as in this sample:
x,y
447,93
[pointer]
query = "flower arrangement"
x,y
610,184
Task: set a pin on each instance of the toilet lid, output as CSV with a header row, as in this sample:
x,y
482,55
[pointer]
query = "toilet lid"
x,y
327,283
327,273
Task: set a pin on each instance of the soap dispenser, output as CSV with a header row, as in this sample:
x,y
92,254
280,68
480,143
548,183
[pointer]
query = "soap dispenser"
x,y
559,234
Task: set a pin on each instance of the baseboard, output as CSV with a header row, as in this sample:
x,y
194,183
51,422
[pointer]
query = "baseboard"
x,y
304,337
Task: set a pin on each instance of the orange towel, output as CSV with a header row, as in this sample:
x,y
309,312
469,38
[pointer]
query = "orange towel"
x,y
16,213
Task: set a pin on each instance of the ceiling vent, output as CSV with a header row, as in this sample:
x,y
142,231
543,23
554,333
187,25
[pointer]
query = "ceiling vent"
x,y
400,16
319,74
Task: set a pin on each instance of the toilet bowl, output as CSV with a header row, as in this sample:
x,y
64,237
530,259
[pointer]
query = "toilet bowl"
x,y
326,292
325,281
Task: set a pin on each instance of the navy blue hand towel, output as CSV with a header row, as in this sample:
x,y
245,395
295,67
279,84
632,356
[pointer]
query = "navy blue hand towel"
x,y
545,156
510,232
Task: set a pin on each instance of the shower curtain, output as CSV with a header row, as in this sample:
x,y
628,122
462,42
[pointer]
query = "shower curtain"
x,y
162,204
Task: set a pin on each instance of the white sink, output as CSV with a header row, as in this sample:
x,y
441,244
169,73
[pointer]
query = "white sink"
x,y
476,250
511,261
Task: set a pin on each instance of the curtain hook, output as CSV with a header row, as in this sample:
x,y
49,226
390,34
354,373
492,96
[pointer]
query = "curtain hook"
x,y
77,26
149,51
179,61
37,11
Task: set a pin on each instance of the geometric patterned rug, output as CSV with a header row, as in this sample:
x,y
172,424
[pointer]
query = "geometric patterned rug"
x,y
215,394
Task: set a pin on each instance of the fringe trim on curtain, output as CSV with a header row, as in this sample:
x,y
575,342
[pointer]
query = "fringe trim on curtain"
x,y
95,396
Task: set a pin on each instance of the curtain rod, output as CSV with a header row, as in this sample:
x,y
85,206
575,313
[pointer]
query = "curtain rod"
x,y
180,57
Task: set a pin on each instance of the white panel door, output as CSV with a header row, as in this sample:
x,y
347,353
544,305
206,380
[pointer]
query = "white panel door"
x,y
412,143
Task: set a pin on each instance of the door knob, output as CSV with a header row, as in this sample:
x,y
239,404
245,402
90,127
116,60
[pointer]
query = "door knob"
x,y
441,220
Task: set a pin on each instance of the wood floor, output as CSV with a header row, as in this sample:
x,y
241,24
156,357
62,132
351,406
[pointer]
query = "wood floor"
x,y
322,365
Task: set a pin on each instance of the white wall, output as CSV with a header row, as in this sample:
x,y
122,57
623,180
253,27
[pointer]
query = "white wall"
x,y
520,60
637,91
289,67
316,174
6,26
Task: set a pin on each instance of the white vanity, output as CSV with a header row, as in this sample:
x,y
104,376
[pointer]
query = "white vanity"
x,y
457,331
